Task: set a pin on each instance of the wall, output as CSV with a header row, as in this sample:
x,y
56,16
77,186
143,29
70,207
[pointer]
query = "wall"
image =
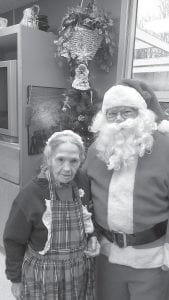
x,y
55,10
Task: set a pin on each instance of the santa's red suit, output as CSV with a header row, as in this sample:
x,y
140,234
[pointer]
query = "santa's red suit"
x,y
132,200
131,211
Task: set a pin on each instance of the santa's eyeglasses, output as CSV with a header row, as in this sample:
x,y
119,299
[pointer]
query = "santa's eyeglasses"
x,y
121,113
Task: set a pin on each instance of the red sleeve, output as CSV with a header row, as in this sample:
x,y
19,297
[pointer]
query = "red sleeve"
x,y
16,235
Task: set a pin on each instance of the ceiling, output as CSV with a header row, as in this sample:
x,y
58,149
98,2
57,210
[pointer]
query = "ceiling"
x,y
6,5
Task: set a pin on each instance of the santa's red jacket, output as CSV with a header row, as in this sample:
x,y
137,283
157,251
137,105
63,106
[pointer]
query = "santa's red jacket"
x,y
132,200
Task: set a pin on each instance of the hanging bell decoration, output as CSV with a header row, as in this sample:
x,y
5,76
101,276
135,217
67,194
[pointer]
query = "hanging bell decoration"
x,y
79,40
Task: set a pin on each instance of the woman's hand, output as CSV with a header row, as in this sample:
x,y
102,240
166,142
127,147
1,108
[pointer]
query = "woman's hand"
x,y
16,289
93,247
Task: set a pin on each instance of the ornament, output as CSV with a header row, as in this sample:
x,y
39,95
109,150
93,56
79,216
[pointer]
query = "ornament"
x,y
30,16
81,118
81,78
81,193
3,22
66,104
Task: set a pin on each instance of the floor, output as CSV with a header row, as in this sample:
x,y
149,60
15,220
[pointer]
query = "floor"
x,y
5,285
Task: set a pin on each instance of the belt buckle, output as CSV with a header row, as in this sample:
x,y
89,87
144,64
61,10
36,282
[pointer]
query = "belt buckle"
x,y
120,239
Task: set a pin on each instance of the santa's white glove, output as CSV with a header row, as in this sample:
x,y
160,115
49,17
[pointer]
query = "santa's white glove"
x,y
93,247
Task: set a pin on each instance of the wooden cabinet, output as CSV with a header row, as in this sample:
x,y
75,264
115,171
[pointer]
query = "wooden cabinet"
x,y
36,65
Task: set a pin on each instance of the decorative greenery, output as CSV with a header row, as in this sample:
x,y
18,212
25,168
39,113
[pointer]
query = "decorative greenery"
x,y
77,112
91,18
86,34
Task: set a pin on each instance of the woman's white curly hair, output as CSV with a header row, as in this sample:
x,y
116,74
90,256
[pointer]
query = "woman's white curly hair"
x,y
60,137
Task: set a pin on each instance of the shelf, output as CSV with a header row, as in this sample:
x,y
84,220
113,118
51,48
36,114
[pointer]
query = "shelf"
x,y
10,30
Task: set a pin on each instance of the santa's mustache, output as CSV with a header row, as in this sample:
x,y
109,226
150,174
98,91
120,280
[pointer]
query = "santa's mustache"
x,y
128,125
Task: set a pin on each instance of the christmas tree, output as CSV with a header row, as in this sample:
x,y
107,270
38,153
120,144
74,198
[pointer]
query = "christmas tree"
x,y
77,112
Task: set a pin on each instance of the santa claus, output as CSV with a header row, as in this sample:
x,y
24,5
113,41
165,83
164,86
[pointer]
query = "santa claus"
x,y
128,166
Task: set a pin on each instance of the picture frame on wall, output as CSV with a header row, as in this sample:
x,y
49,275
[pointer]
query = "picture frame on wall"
x,y
42,115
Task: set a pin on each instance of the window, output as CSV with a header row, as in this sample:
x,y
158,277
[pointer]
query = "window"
x,y
148,46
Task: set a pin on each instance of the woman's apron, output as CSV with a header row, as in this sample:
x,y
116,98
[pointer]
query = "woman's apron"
x,y
64,272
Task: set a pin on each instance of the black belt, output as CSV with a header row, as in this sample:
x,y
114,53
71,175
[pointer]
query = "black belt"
x,y
135,239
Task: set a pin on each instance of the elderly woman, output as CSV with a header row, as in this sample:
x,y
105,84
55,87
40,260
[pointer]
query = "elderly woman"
x,y
48,235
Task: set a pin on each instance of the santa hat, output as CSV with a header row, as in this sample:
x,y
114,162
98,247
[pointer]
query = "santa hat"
x,y
120,95
149,96
135,93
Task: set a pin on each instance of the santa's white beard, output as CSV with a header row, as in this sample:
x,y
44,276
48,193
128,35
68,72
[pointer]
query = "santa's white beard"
x,y
119,144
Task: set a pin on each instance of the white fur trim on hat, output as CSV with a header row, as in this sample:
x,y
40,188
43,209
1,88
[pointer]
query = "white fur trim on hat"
x,y
164,127
120,95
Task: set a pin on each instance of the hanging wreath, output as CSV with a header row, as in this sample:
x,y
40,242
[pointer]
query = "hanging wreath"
x,y
86,33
